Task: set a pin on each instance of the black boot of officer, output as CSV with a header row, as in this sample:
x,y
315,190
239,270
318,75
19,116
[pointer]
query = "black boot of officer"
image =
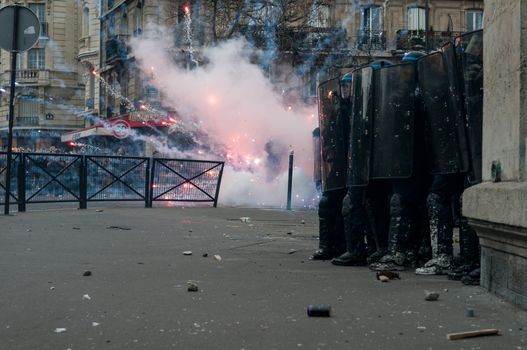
x,y
331,226
356,227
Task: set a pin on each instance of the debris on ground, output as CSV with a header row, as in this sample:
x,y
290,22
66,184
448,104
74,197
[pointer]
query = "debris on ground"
x,y
245,219
76,228
383,278
99,210
86,297
292,251
192,287
470,334
431,296
205,255
217,257
95,324
86,273
469,312
322,310
60,330
124,228
389,274
303,222
187,252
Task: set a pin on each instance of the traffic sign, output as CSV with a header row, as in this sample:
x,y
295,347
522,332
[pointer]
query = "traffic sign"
x,y
28,28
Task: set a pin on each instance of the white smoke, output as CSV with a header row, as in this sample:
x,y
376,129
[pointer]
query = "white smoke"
x,y
230,100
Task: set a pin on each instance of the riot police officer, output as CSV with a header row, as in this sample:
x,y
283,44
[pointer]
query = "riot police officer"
x,y
364,206
399,108
334,124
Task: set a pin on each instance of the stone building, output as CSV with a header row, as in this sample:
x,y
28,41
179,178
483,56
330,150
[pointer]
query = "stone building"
x,y
49,90
497,208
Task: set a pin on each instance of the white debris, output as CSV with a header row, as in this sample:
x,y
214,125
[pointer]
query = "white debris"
x,y
60,330
187,252
51,288
86,297
245,219
95,324
217,257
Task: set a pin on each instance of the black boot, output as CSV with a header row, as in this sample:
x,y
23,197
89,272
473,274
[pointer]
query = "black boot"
x,y
353,216
441,228
400,227
331,236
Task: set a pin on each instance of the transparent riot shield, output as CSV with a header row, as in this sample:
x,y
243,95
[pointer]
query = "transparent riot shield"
x,y
333,136
444,126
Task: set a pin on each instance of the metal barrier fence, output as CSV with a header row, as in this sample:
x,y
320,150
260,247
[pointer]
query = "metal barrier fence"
x,y
51,177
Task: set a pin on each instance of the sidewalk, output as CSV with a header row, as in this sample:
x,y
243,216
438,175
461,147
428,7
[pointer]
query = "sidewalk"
x,y
253,295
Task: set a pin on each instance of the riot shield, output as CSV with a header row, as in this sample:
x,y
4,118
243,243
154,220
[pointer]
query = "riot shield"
x,y
446,143
393,121
333,136
360,131
469,48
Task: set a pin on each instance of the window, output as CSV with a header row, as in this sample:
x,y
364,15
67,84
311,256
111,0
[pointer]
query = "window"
x,y
319,18
20,59
40,11
36,59
85,22
416,18
371,19
124,25
28,107
474,20
138,21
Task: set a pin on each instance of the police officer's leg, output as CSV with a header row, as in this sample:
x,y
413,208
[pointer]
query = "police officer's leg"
x,y
469,257
355,226
330,225
378,213
440,217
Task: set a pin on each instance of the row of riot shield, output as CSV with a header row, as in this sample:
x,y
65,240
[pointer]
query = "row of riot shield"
x,y
432,106
334,132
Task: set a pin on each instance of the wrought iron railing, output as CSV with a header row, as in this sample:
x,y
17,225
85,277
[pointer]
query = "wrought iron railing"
x,y
50,177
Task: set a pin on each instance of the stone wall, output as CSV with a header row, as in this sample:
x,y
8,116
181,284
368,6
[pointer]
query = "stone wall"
x,y
498,210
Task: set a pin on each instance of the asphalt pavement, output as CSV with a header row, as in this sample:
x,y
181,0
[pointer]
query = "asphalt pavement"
x,y
118,277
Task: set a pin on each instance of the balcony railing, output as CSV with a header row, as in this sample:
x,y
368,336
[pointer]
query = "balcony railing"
x,y
369,40
27,74
116,48
416,39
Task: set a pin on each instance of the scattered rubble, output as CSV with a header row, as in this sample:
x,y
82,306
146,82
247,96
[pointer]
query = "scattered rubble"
x,y
321,310
87,273
192,287
388,274
470,334
124,228
431,296
217,257
187,252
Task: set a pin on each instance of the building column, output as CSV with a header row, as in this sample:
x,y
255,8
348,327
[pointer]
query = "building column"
x,y
497,208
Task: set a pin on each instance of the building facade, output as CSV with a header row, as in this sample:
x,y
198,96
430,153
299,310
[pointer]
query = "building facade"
x,y
49,89
82,69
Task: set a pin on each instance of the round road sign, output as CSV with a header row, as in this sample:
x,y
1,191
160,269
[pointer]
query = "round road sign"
x,y
28,28
121,129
